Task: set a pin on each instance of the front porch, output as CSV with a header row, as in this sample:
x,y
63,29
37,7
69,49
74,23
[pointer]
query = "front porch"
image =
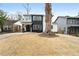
x,y
73,30
27,28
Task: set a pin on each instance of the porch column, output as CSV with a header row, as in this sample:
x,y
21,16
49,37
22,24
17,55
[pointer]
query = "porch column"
x,y
77,30
30,28
65,30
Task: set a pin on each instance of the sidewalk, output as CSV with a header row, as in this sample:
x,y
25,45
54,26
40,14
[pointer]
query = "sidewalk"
x,y
6,35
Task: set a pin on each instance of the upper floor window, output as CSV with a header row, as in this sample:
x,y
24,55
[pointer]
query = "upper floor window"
x,y
69,21
72,21
27,17
37,18
77,21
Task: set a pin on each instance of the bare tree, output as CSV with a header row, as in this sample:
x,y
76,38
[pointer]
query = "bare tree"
x,y
27,8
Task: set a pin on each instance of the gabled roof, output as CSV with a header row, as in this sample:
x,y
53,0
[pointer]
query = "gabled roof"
x,y
59,17
10,22
18,23
66,17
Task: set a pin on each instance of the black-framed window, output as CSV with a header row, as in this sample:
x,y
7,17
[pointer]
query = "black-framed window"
x,y
37,23
72,21
37,18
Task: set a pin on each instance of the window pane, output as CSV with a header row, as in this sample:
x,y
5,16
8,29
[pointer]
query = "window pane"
x,y
27,17
37,18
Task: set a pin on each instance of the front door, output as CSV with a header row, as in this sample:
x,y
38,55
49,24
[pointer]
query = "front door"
x,y
28,28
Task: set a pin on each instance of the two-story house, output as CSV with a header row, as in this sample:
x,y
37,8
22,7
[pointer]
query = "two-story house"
x,y
32,23
67,24
27,23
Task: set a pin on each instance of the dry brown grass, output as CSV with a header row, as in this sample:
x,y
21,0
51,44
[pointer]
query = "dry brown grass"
x,y
36,44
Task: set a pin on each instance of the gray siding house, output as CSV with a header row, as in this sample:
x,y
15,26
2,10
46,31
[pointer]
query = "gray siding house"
x,y
8,26
67,24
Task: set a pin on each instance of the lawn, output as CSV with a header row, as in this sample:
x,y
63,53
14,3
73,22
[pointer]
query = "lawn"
x,y
35,44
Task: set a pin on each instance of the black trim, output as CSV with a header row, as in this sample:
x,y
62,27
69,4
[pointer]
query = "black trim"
x,y
38,23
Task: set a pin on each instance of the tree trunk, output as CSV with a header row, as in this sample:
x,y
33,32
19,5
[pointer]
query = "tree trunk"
x,y
1,28
48,18
48,25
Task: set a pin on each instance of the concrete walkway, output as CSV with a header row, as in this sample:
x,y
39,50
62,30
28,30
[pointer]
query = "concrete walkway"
x,y
6,35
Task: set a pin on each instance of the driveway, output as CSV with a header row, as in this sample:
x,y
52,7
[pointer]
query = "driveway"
x,y
6,35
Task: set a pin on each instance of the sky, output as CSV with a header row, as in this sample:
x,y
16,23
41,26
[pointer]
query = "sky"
x,y
58,9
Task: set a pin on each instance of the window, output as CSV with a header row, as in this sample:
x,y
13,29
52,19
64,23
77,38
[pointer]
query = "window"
x,y
72,21
37,27
51,26
37,18
40,27
27,17
9,28
64,28
77,22
5,28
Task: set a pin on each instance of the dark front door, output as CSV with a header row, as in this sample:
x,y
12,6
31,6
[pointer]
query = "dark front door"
x,y
28,28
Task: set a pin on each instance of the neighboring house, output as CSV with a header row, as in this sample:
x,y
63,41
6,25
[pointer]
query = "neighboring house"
x,y
67,24
8,26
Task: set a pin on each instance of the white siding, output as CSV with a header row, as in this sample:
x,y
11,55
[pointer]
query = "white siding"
x,y
26,19
44,25
61,24
54,28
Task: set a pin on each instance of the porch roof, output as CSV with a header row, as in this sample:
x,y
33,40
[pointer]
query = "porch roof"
x,y
18,23
27,23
